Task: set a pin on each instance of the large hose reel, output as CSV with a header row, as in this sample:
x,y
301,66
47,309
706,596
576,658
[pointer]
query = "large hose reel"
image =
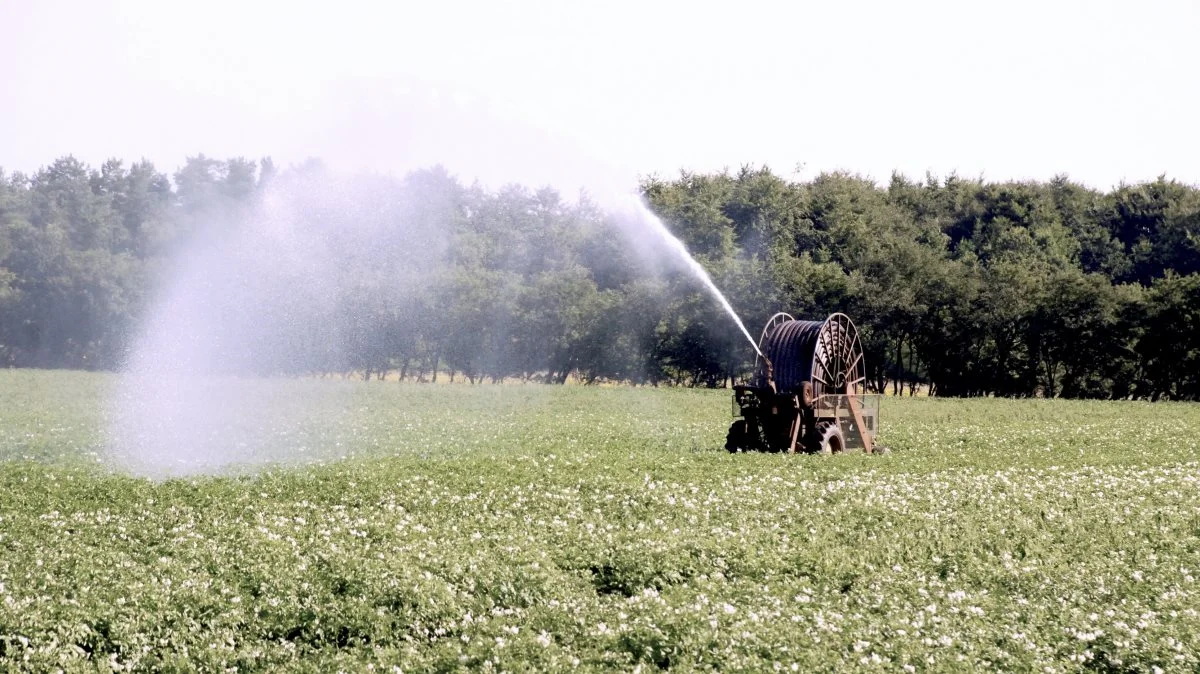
x,y
827,354
808,390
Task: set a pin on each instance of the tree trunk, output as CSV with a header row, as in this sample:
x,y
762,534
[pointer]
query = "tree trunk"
x,y
896,385
912,371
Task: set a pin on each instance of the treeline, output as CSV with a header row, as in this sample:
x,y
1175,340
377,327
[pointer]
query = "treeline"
x,y
960,286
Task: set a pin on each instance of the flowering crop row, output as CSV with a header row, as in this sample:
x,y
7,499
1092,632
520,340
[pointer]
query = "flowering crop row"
x,y
528,527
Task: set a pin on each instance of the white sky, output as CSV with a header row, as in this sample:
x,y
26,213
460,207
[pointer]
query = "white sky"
x,y
564,90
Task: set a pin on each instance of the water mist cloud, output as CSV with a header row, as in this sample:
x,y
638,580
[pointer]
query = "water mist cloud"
x,y
294,283
263,294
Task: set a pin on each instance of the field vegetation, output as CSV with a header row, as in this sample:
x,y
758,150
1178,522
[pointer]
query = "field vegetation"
x,y
526,527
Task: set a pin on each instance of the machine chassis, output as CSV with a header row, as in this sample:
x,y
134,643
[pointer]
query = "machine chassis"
x,y
774,422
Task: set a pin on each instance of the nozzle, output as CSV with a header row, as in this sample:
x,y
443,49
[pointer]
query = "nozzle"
x,y
770,373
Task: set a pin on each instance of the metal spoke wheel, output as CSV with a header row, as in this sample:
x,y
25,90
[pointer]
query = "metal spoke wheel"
x,y
838,358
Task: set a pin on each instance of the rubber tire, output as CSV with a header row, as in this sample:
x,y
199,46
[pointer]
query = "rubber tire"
x,y
736,438
829,438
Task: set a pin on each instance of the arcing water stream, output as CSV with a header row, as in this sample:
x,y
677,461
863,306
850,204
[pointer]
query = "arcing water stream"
x,y
676,246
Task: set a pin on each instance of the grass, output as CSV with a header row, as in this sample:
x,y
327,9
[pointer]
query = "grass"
x,y
544,528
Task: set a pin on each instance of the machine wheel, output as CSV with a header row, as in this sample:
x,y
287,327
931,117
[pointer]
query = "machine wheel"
x,y
735,440
829,438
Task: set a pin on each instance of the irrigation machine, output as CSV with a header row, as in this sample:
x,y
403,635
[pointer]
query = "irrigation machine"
x,y
807,392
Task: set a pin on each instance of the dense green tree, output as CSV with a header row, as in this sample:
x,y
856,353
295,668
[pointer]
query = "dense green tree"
x,y
1169,346
962,286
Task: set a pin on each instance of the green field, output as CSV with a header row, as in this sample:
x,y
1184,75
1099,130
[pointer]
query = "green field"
x,y
544,528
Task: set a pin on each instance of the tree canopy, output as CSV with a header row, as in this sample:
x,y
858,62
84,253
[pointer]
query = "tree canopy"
x,y
960,286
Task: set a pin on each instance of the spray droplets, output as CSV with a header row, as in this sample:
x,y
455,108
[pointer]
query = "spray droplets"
x,y
327,275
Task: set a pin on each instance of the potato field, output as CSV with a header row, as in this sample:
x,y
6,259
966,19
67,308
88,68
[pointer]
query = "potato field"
x,y
379,526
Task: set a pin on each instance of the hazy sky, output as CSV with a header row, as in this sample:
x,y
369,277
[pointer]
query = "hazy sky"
x,y
562,91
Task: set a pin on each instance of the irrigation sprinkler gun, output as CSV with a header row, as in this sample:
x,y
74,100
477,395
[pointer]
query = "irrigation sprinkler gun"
x,y
808,391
